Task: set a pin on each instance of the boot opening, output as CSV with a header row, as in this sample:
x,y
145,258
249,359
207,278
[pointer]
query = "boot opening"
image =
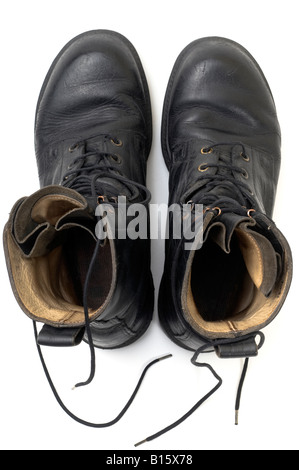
x,y
79,249
220,283
51,286
232,289
50,250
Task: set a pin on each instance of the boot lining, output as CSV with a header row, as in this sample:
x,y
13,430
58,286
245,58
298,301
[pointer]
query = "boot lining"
x,y
224,292
51,290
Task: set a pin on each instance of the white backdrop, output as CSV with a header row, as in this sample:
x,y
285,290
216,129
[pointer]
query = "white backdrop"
x,y
32,33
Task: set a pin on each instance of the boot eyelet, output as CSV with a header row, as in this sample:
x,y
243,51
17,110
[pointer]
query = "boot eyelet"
x,y
116,158
244,174
116,142
217,209
189,203
249,212
244,156
73,148
206,150
200,168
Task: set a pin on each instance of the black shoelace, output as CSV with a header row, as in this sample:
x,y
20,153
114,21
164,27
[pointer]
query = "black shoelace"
x,y
76,418
199,351
86,179
240,197
87,172
239,201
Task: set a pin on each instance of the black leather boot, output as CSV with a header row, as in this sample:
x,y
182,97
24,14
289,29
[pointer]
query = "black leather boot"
x,y
221,144
93,136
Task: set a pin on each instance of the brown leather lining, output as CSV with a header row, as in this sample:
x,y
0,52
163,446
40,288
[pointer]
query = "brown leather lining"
x,y
260,260
45,288
51,208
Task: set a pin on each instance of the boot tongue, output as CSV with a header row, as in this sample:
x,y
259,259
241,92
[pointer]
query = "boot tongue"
x,y
106,185
112,188
221,179
41,218
258,253
225,188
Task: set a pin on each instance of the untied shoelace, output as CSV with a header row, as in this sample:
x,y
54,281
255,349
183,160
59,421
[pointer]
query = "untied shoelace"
x,y
86,179
82,179
200,350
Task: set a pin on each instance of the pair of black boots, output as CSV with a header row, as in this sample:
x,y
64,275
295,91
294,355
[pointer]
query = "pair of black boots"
x,y
73,263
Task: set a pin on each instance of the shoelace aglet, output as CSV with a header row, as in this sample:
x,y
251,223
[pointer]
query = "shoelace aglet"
x,y
140,443
236,417
167,356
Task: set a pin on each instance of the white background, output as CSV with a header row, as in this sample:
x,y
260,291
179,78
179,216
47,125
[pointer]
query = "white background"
x,y
32,34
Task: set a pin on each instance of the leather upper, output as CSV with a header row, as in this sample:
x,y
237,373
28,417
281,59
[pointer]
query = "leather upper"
x,y
218,93
221,143
95,90
93,135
